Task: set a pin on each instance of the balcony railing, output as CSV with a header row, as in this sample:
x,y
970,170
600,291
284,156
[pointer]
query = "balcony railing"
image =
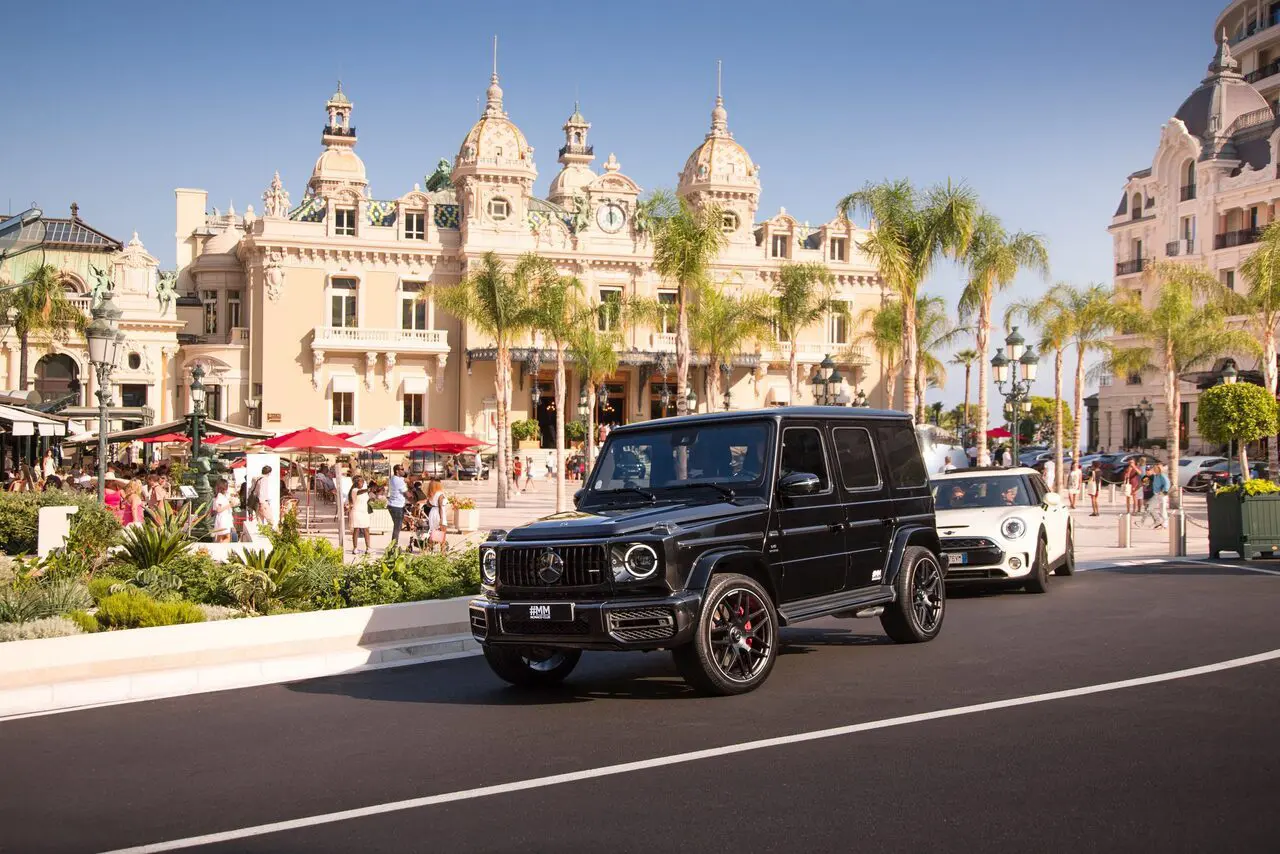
x,y
334,130
1128,268
1242,237
663,341
1188,246
586,150
1267,70
84,303
1173,247
364,338
1261,116
1188,192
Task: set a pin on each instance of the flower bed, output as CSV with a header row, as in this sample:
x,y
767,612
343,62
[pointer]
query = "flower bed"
x,y
159,576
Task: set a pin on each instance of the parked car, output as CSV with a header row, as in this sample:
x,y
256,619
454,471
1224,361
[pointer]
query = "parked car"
x,y
471,467
1113,465
738,524
1033,454
1188,467
1223,474
1003,526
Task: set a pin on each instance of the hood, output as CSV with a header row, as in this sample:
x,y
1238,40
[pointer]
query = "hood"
x,y
632,519
978,522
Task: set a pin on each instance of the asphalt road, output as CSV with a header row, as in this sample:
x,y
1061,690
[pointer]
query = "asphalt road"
x,y
1186,764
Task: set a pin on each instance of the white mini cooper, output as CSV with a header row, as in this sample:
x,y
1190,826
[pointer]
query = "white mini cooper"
x,y
1003,525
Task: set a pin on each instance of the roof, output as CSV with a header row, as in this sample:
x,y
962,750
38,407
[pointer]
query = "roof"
x,y
985,471
74,234
773,412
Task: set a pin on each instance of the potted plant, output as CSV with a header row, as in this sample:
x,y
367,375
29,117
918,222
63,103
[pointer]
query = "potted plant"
x,y
526,434
1243,518
575,432
466,516
379,516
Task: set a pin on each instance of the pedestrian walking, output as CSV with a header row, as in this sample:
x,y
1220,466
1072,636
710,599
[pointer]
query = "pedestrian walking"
x,y
437,526
517,469
358,509
1006,457
1074,480
1093,486
1132,478
1159,494
223,519
528,474
397,491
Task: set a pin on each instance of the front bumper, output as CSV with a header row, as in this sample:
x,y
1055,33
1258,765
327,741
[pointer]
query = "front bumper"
x,y
610,624
984,559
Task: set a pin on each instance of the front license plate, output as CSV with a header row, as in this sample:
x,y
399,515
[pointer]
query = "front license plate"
x,y
542,612
957,557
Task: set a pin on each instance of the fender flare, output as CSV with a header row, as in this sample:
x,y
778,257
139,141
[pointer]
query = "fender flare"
x,y
708,562
910,535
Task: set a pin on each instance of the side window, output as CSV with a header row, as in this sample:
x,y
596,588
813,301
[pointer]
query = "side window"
x,y
902,452
1038,489
857,458
802,451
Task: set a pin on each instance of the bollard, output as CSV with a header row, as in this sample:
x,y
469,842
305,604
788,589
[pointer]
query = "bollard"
x,y
1177,534
1123,538
1111,493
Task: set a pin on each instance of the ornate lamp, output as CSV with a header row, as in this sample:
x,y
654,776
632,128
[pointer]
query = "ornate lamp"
x,y
1015,344
1229,373
105,341
1000,367
1030,364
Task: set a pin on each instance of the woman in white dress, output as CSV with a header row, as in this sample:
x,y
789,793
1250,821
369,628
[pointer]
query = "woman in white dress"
x,y
358,507
222,517
437,530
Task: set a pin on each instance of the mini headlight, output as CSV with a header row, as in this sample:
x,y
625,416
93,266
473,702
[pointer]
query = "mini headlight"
x,y
489,566
640,561
1013,528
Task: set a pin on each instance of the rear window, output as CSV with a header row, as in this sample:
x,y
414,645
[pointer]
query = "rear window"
x,y
902,455
857,458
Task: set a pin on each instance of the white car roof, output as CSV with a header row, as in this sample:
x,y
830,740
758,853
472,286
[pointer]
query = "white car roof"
x,y
984,472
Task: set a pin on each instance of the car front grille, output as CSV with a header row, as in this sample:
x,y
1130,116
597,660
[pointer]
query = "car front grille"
x,y
641,624
980,551
959,544
584,566
579,626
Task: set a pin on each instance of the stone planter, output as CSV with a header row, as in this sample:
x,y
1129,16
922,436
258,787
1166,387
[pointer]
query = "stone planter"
x,y
467,520
380,521
529,445
1248,525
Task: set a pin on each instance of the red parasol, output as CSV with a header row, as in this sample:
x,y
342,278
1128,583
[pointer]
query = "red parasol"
x,y
311,440
998,433
428,440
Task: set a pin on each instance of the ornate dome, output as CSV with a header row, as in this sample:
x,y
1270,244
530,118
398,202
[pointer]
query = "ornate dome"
x,y
495,138
720,159
341,164
1221,99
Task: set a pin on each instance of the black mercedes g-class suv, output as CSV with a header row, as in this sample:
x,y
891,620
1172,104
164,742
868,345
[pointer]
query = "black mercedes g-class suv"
x,y
705,534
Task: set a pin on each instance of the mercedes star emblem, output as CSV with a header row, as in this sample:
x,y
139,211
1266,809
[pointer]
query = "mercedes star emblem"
x,y
550,566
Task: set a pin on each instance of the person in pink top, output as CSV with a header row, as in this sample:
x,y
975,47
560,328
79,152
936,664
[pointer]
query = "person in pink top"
x,y
113,498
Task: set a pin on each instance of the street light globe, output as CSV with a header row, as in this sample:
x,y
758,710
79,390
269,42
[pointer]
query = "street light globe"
x,y
1015,344
1000,367
1229,372
197,386
1030,364
1026,407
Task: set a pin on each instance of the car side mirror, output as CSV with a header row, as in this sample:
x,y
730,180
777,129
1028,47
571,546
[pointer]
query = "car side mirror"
x,y
799,483
1052,499
577,498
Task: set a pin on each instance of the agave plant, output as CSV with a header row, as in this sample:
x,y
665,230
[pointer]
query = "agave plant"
x,y
27,602
150,544
177,519
257,579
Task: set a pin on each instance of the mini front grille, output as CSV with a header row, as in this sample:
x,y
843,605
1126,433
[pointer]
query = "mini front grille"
x,y
582,566
641,624
962,543
579,626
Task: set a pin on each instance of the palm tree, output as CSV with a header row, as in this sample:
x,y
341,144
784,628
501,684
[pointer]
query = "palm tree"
x,y
721,326
1091,310
883,327
497,301
994,258
1051,314
39,307
934,330
912,230
557,312
1260,307
801,298
1186,326
686,240
966,357
596,354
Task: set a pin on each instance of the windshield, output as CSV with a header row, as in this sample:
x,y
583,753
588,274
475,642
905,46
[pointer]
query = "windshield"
x,y
734,454
968,493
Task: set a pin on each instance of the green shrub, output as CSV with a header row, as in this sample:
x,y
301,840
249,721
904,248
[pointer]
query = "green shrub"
x,y
151,544
200,576
93,526
1253,486
258,580
287,536
100,586
86,621
1242,412
575,431
27,600
526,430
134,609
47,627
213,613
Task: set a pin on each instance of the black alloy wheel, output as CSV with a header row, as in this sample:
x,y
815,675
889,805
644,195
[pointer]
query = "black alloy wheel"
x,y
736,643
920,603
1068,566
1038,581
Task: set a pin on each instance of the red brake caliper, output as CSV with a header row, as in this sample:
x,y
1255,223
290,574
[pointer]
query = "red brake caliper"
x,y
746,625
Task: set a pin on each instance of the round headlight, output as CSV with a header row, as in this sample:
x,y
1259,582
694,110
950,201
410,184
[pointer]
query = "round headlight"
x,y
1013,528
641,561
489,566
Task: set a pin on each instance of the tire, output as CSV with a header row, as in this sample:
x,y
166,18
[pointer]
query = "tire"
x,y
736,642
1039,580
531,667
920,604
1069,561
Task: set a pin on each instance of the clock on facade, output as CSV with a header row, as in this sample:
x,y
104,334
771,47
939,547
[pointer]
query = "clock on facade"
x,y
611,217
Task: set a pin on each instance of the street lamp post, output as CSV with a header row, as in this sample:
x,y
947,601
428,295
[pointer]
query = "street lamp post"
x,y
199,465
1004,367
105,339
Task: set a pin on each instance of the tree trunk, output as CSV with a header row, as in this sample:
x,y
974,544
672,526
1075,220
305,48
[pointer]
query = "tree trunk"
x,y
890,387
1058,478
502,368
920,389
909,351
559,391
1077,434
591,426
964,413
24,341
682,351
1269,377
983,339
793,371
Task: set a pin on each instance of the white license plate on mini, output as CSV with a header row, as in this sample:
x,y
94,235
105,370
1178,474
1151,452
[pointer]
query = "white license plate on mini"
x,y
541,612
957,557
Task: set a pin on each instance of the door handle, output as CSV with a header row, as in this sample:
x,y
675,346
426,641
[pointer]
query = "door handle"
x,y
839,526
891,520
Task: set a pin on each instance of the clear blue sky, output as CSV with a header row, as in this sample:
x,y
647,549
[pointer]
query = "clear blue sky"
x,y
1042,108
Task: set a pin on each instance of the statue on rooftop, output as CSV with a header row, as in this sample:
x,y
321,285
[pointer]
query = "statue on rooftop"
x,y
439,179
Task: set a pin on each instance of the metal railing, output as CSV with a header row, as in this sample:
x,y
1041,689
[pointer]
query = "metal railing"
x,y
1240,237
1267,70
1188,192
1173,248
1128,268
333,130
588,150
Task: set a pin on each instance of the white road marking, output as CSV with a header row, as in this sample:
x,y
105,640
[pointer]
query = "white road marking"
x,y
1240,566
692,756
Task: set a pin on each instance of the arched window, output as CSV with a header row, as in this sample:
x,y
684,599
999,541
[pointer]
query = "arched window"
x,y
1137,205
577,137
1188,181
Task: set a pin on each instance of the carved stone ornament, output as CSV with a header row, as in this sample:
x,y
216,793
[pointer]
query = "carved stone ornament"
x,y
317,363
442,359
167,290
389,360
370,362
275,201
274,271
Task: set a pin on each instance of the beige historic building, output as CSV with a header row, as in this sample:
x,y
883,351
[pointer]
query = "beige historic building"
x,y
58,369
321,312
1211,189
